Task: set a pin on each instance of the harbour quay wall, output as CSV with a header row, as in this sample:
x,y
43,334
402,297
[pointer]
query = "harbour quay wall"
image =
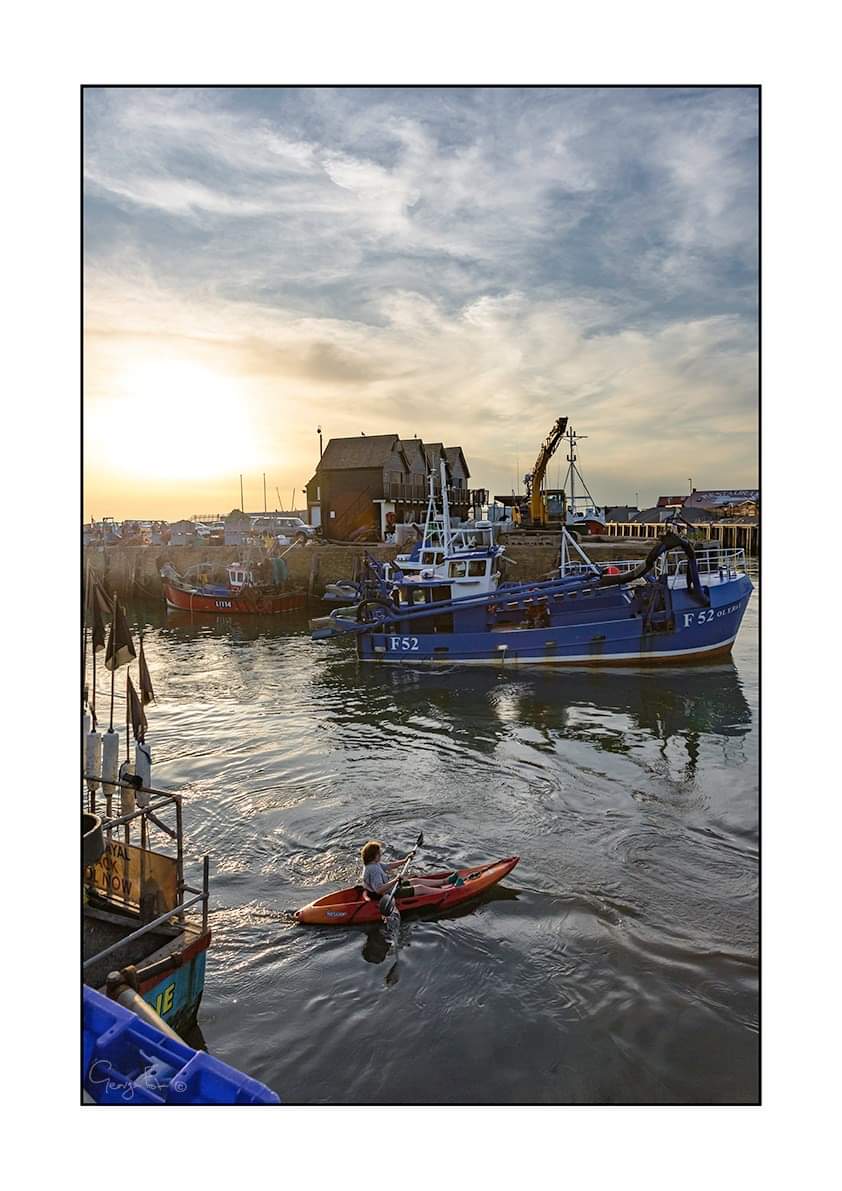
x,y
133,571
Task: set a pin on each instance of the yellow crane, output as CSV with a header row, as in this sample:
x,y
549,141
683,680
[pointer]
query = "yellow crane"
x,y
535,480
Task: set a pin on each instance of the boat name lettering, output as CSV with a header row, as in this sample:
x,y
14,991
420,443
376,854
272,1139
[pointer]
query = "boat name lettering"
x,y
165,1000
403,643
708,614
223,603
335,914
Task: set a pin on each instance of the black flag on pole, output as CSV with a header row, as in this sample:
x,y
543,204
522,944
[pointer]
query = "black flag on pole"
x,y
120,649
138,716
147,695
97,611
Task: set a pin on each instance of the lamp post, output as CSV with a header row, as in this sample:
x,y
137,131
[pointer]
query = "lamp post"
x,y
319,432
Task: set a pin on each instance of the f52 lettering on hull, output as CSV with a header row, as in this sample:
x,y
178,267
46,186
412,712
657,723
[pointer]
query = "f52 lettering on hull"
x,y
403,644
708,614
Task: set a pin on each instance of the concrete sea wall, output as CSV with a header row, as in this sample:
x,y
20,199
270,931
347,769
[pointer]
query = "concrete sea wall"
x,y
135,570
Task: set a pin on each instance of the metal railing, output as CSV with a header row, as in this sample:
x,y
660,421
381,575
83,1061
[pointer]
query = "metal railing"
x,y
199,895
419,494
148,805
724,563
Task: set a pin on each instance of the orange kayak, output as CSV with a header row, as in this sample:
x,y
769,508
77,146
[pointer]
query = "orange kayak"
x,y
350,906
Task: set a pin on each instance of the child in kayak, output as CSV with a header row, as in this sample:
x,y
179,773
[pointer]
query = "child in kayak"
x,y
377,882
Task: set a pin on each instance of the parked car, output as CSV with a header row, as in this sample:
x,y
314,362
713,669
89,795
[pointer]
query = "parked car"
x,y
293,529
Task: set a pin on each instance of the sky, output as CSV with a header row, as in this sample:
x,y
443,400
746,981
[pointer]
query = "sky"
x,y
464,264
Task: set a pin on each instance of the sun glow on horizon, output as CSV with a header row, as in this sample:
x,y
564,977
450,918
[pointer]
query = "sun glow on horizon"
x,y
172,420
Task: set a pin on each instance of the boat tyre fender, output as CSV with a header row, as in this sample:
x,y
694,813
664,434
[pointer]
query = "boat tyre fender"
x,y
370,611
260,604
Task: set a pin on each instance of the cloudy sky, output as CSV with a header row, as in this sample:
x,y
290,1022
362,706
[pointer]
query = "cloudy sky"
x,y
461,264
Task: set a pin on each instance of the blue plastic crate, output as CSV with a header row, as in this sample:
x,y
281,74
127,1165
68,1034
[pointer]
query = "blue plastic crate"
x,y
125,1060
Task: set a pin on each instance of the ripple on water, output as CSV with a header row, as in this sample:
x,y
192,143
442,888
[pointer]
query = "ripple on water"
x,y
617,963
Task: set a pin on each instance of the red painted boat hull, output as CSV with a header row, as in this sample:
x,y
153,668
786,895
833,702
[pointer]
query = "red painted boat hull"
x,y
252,605
348,907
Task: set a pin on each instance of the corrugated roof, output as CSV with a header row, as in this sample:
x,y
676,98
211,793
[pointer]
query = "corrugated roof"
x,y
367,450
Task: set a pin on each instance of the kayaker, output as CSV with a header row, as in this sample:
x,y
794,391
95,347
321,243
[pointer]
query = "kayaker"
x,y
376,879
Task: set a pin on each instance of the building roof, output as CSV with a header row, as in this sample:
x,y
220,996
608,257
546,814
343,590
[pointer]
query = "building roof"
x,y
413,448
454,455
695,516
364,450
666,502
717,498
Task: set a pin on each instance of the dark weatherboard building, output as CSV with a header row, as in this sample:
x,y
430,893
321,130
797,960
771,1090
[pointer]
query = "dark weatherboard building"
x,y
365,485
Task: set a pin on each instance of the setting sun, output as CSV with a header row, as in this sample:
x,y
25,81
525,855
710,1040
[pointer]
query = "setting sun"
x,y
181,420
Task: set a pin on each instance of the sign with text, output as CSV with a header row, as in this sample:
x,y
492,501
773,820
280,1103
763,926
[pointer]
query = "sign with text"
x,y
135,877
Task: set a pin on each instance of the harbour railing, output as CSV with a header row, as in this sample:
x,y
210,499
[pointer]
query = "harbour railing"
x,y
726,564
132,875
716,561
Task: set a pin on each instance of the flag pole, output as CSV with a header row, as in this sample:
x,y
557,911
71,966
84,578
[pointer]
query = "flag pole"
x,y
127,828
113,659
85,635
93,686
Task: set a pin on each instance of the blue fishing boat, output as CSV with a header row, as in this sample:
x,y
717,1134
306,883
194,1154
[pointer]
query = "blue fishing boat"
x,y
674,607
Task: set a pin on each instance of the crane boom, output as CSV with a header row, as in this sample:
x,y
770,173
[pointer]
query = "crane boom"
x,y
537,509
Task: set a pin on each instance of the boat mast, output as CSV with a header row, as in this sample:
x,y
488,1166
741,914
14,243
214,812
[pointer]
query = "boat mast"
x,y
431,509
570,477
573,472
445,509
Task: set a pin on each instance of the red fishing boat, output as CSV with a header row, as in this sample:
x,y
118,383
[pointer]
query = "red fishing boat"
x,y
240,594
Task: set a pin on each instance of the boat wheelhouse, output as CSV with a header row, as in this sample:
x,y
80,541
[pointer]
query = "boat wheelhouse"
x,y
464,560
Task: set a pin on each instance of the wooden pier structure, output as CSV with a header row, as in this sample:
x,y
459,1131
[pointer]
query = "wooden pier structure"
x,y
736,534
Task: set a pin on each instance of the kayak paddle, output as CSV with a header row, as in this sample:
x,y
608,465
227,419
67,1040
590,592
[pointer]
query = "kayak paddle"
x,y
391,914
387,903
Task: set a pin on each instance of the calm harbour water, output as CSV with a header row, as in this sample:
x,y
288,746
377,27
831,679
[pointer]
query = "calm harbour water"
x,y
616,964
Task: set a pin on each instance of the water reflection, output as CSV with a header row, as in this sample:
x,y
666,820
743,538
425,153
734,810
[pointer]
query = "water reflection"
x,y
610,710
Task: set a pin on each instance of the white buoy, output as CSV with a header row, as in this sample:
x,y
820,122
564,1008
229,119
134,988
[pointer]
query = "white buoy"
x,y
110,761
93,760
127,804
143,769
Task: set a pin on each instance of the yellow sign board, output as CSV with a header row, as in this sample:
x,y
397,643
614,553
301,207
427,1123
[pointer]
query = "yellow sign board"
x,y
135,877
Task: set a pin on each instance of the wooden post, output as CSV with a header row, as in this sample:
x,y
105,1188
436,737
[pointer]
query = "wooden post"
x,y
314,572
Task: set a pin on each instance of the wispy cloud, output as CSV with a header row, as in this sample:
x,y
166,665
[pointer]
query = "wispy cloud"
x,y
491,258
